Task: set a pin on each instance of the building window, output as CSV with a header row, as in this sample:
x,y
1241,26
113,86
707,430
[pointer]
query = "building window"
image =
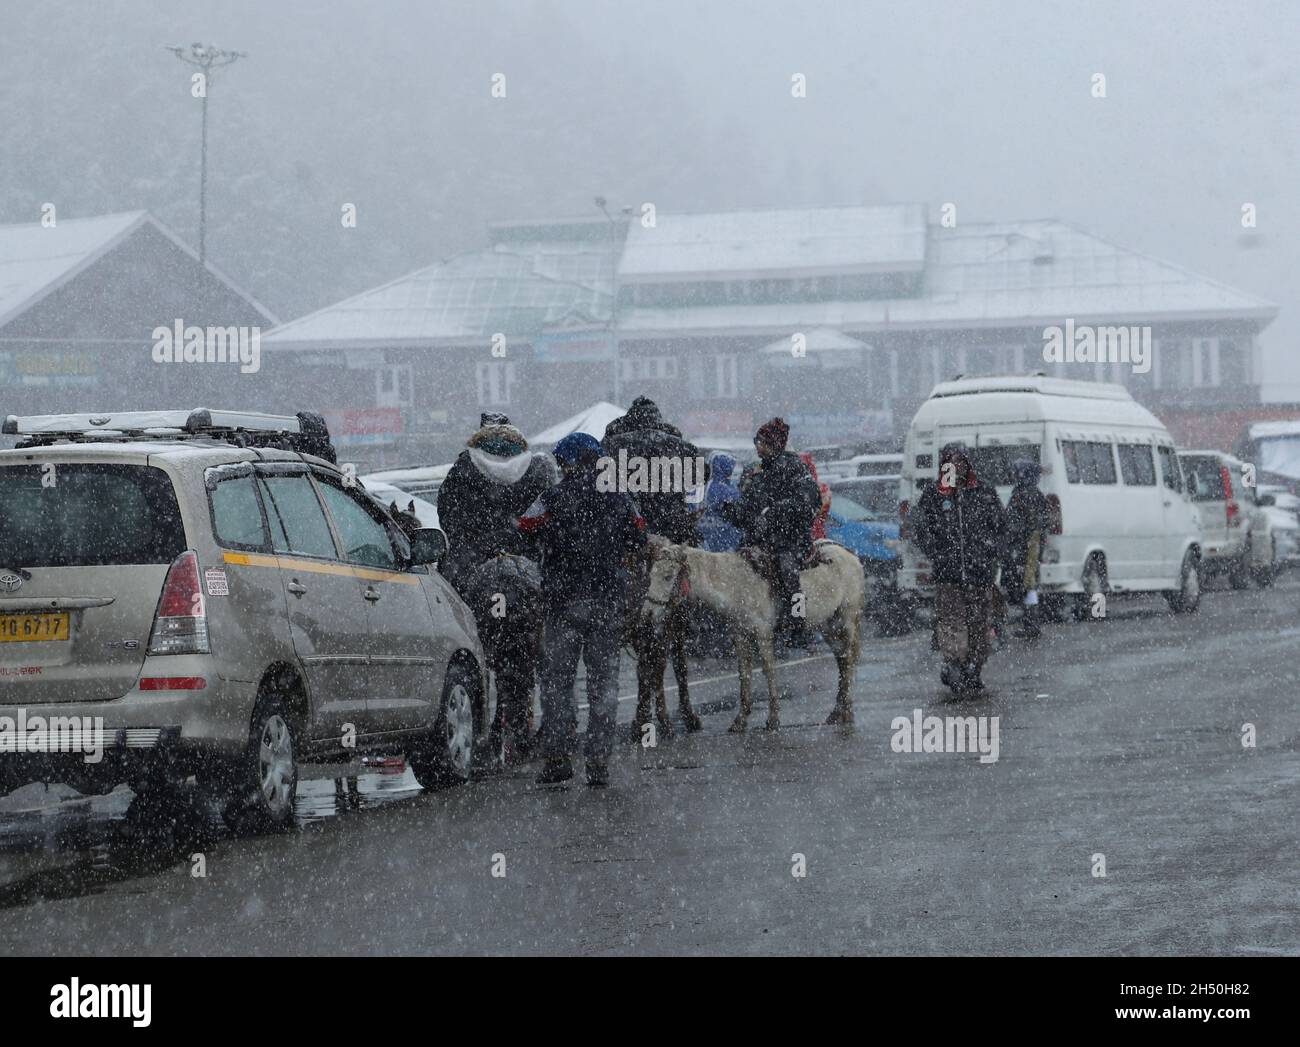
x,y
393,386
495,380
726,368
1205,362
647,368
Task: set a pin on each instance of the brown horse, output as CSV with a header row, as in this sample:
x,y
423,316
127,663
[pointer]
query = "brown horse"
x,y
654,644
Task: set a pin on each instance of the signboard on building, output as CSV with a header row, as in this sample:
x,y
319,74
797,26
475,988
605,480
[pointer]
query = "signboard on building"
x,y
818,427
574,347
372,426
51,367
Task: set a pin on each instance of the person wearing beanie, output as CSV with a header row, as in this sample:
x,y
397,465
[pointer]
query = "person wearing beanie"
x,y
493,481
959,525
585,534
779,501
643,434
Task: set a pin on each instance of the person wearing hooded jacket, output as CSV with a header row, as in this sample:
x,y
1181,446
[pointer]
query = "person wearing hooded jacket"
x,y
491,484
642,433
585,534
716,534
959,526
778,505
1028,515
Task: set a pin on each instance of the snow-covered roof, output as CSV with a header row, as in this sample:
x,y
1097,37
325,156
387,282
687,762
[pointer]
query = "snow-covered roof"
x,y
516,289
1272,430
818,340
593,420
745,244
36,260
993,274
1029,273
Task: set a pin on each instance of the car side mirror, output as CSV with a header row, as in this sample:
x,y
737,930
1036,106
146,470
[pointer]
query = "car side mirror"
x,y
428,545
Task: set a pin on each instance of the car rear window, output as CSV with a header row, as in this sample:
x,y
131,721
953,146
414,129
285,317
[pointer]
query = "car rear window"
x,y
1209,474
87,514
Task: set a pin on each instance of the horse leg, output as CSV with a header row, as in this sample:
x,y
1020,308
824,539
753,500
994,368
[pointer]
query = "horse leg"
x,y
745,664
842,646
659,667
678,649
641,642
768,656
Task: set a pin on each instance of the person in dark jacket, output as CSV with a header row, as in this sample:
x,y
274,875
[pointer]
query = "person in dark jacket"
x,y
585,535
1027,522
716,534
959,526
488,488
778,503
643,434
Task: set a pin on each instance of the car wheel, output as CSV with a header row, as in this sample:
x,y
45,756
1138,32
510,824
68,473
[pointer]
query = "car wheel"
x,y
261,786
1188,597
1240,571
446,756
1094,583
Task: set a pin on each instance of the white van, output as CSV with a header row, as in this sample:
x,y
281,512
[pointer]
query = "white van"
x,y
1123,519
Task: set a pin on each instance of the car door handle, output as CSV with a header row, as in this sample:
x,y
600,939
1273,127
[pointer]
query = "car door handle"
x,y
296,588
371,595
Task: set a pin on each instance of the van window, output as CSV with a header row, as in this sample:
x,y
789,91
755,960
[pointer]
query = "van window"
x,y
1136,465
1209,475
993,464
84,515
237,514
297,520
1088,462
1169,471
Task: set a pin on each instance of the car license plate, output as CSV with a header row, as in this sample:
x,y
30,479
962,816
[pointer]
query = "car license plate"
x,y
33,628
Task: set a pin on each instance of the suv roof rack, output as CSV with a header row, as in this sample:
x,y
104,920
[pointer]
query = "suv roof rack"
x,y
304,432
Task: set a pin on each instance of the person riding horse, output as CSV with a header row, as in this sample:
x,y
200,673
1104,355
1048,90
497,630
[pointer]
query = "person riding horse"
x,y
779,501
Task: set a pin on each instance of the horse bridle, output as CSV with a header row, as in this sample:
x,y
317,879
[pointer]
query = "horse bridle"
x,y
677,586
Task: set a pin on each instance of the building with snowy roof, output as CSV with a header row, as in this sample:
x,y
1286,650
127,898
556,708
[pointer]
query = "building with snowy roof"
x,y
875,303
80,301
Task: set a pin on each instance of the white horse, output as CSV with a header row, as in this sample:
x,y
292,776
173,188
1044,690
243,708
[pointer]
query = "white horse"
x,y
834,591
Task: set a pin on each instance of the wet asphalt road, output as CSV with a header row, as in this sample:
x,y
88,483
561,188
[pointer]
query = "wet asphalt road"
x,y
1119,738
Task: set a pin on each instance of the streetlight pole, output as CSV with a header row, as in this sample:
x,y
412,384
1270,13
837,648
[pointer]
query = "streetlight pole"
x,y
613,312
207,58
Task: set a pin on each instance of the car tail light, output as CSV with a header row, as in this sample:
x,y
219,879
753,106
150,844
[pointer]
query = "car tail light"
x,y
1231,507
903,508
181,624
1055,523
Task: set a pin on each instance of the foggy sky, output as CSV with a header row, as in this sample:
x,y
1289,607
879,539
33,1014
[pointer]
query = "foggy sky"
x,y
385,103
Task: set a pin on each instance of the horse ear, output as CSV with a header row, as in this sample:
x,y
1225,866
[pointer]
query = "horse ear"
x,y
411,508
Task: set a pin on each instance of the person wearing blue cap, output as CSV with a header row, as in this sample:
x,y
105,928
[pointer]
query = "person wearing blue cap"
x,y
584,534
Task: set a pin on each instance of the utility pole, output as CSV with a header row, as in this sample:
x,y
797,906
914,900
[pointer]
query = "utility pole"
x,y
613,312
207,58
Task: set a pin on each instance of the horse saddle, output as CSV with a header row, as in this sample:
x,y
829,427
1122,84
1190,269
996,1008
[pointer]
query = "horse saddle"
x,y
764,563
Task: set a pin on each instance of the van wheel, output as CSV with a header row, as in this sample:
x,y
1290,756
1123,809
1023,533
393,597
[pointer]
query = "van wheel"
x,y
1265,576
1240,571
1094,583
445,757
1188,597
261,785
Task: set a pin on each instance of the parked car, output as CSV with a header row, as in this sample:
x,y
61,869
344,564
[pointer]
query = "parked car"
x,y
425,511
1283,511
1236,535
221,610
422,481
863,518
865,465
1122,519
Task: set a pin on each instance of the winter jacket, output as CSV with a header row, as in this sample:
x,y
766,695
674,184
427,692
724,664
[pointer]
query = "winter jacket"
x,y
778,503
960,531
1027,517
642,433
716,534
479,502
583,534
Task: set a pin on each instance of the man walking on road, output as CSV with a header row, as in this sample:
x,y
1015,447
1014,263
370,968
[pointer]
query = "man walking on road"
x,y
1027,522
959,526
584,534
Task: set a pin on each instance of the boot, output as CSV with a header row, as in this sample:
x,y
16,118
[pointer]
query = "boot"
x,y
597,774
970,677
1029,627
556,770
951,676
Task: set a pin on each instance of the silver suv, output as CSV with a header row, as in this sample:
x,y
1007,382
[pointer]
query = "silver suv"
x,y
214,602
